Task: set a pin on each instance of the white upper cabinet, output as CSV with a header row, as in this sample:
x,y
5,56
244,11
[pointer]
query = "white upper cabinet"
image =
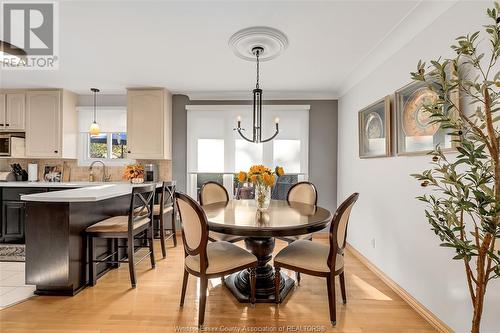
x,y
51,124
149,124
15,112
12,111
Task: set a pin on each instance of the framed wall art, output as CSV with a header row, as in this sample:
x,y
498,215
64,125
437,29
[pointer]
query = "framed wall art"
x,y
416,134
53,173
374,128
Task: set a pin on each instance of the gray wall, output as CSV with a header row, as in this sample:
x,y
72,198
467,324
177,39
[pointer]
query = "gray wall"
x,y
322,143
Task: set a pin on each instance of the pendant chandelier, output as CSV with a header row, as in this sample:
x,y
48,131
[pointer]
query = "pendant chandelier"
x,y
257,109
94,127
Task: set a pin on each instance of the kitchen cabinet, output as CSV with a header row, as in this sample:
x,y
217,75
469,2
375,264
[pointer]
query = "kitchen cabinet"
x,y
51,124
13,216
149,123
12,222
12,111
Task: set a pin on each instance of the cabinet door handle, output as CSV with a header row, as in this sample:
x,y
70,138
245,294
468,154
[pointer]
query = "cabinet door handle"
x,y
2,124
128,151
7,125
55,151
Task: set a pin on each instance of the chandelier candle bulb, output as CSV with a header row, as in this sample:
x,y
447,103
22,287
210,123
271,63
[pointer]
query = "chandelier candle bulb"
x,y
276,120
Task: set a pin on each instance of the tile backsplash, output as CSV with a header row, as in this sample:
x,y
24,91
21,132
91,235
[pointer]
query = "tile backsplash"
x,y
73,172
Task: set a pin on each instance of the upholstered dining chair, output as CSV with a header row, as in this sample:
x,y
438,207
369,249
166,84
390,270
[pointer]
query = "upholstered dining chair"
x,y
303,192
208,260
160,210
138,221
212,192
318,259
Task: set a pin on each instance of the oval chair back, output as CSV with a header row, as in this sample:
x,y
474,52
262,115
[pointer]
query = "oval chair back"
x,y
303,192
212,192
338,229
194,228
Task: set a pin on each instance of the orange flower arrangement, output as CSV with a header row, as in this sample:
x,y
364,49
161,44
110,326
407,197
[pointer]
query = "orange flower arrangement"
x,y
133,171
260,175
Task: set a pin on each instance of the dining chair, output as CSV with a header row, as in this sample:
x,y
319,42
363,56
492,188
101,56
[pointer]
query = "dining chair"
x,y
160,210
318,259
213,192
139,221
303,192
208,260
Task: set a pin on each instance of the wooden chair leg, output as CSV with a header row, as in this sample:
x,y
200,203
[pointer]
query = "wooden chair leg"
x,y
277,281
297,275
150,232
222,280
203,301
342,287
92,264
131,265
330,282
174,237
184,286
162,237
253,280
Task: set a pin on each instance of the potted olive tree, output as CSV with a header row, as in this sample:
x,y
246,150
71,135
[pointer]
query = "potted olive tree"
x,y
464,207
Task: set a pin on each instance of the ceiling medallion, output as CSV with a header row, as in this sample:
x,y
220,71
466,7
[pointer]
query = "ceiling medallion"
x,y
272,40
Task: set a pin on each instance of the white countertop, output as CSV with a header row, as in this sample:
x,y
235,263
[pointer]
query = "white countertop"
x,y
84,191
53,184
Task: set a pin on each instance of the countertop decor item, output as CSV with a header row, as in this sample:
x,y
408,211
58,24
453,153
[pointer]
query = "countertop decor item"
x,y
94,127
257,51
133,172
463,202
374,127
53,173
263,179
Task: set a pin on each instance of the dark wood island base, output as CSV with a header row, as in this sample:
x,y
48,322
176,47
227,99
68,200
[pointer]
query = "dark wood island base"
x,y
56,250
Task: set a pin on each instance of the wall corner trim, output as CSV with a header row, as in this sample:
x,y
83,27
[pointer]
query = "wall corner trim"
x,y
430,317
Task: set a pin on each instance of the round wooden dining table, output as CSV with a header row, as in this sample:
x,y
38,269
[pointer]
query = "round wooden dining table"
x,y
241,218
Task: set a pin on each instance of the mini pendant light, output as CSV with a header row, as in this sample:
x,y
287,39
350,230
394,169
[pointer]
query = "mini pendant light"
x,y
94,127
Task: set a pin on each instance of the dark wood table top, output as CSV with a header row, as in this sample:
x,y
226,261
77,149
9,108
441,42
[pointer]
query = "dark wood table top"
x,y
241,218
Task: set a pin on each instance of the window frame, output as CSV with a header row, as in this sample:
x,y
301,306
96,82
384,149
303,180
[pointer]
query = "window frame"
x,y
84,158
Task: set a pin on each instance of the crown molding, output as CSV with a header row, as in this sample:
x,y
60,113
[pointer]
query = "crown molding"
x,y
268,95
423,14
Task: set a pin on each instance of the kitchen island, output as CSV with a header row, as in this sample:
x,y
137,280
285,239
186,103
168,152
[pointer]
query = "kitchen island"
x,y
55,221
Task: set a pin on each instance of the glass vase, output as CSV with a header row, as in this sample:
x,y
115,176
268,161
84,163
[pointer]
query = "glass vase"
x,y
262,196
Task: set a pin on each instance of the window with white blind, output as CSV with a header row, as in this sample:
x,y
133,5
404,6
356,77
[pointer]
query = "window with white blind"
x,y
110,145
216,152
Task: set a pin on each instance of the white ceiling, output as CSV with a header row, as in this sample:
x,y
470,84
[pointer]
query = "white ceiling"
x,y
182,45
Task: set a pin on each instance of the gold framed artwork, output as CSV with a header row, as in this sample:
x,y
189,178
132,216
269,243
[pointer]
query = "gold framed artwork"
x,y
374,128
415,133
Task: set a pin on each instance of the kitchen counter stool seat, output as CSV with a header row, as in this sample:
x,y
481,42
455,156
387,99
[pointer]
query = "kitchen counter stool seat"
x,y
137,222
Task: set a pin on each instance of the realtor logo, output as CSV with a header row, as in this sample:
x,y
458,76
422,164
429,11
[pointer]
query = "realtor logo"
x,y
31,27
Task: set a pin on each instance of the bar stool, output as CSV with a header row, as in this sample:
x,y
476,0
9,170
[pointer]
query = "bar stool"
x,y
138,221
165,205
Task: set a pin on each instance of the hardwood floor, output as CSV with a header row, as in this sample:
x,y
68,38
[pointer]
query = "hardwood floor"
x,y
111,306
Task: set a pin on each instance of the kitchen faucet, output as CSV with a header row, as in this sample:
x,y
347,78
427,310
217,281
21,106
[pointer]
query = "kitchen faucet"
x,y
105,177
